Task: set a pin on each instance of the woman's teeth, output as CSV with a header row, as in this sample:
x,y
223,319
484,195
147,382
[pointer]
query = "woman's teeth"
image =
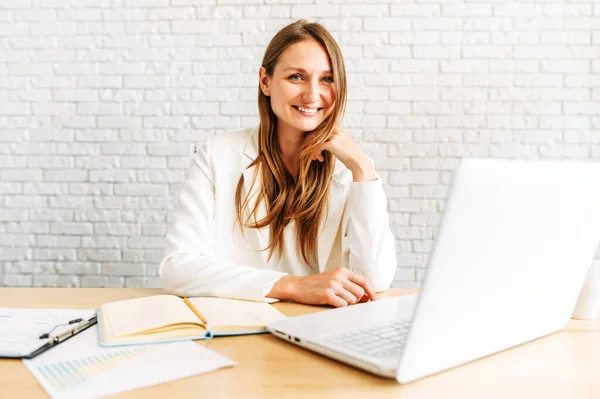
x,y
307,110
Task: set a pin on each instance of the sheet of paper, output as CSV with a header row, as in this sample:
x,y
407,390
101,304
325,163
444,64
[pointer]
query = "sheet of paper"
x,y
80,368
20,329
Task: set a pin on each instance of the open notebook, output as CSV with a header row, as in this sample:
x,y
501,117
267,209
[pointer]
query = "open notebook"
x,y
166,318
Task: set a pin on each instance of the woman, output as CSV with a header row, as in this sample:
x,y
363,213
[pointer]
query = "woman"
x,y
291,209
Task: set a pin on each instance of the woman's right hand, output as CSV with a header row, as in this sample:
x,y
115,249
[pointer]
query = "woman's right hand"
x,y
338,287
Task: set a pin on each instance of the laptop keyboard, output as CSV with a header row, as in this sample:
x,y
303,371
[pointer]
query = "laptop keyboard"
x,y
378,340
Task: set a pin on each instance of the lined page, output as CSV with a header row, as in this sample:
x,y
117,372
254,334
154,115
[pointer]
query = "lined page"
x,y
224,312
143,314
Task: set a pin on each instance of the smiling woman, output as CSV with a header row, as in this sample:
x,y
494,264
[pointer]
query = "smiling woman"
x,y
291,209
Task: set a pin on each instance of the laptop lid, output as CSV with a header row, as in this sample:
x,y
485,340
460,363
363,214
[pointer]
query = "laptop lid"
x,y
512,252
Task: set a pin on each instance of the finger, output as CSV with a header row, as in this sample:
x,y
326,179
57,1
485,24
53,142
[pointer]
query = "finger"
x,y
366,285
320,157
333,299
355,289
347,296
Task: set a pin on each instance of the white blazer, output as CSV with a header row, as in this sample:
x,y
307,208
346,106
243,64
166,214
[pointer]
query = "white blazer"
x,y
206,256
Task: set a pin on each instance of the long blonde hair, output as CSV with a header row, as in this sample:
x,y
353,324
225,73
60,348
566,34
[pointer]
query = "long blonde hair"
x,y
306,200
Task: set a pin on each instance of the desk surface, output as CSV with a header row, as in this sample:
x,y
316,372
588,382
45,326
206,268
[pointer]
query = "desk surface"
x,y
563,365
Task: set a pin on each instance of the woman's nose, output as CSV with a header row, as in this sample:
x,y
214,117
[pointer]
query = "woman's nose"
x,y
311,92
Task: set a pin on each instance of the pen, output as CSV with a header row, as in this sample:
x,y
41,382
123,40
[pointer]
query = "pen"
x,y
47,335
82,325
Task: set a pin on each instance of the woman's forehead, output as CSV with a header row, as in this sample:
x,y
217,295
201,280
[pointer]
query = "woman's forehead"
x,y
308,56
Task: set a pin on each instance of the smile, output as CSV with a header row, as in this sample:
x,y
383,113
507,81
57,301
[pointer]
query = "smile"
x,y
306,111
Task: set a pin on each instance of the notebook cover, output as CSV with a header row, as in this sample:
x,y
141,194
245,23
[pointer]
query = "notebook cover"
x,y
233,333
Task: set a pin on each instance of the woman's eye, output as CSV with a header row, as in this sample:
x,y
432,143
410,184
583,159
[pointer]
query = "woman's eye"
x,y
295,77
328,79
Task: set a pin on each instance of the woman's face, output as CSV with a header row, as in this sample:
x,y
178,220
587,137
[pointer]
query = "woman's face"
x,y
301,88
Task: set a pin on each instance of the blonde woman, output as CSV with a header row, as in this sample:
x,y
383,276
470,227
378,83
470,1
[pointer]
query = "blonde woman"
x,y
291,209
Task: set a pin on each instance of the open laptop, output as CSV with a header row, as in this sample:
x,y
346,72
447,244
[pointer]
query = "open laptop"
x,y
511,255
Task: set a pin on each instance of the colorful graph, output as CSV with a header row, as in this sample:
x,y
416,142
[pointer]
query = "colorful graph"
x,y
64,375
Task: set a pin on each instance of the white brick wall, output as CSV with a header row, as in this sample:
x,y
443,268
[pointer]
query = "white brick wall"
x,y
103,101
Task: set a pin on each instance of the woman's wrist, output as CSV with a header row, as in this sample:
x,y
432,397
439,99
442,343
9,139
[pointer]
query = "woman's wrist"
x,y
363,171
284,288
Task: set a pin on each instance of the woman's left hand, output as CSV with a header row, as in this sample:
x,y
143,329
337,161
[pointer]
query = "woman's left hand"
x,y
345,149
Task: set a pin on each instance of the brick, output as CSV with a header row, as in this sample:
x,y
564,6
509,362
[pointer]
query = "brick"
x,y
65,175
437,24
365,11
56,254
194,26
102,255
18,240
387,52
116,175
466,10
50,241
415,10
150,282
252,11
93,281
27,227
51,214
21,175
411,38
168,149
146,242
386,24
105,242
41,280
14,254
11,188
116,229
78,268
17,280
123,269
71,228
22,267
313,11
487,52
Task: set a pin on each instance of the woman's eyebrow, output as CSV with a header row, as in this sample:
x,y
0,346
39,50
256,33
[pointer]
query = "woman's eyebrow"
x,y
304,70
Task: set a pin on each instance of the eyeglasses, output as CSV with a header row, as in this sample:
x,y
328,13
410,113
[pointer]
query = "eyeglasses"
x,y
47,335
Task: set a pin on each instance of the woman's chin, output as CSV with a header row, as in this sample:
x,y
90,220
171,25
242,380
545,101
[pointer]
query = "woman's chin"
x,y
307,127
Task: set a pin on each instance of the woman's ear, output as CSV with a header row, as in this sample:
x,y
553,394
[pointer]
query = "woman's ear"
x,y
264,81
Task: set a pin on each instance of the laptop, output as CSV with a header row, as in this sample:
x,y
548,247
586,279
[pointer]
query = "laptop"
x,y
511,255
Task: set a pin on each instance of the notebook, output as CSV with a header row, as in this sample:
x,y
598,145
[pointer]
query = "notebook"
x,y
167,318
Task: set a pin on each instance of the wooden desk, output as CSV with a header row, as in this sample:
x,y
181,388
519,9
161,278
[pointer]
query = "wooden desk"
x,y
563,365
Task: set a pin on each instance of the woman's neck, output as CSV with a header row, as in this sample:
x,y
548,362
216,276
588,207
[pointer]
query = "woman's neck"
x,y
290,143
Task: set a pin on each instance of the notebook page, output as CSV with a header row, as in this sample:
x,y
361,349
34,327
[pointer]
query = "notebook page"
x,y
235,313
142,314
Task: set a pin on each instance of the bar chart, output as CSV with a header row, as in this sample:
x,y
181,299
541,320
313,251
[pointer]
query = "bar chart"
x,y
66,374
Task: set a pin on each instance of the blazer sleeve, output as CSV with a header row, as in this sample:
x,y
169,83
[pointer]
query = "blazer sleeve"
x,y
368,246
189,266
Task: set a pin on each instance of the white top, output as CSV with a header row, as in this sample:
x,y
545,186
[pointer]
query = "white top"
x,y
207,256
